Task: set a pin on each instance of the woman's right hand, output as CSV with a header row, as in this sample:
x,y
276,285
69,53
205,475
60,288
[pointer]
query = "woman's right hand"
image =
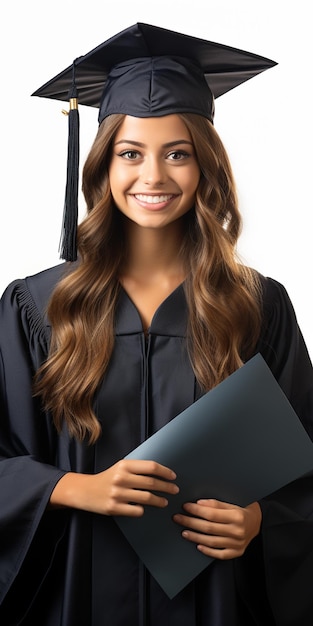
x,y
123,489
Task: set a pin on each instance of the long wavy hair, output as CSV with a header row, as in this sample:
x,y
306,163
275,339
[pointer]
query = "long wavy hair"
x,y
223,295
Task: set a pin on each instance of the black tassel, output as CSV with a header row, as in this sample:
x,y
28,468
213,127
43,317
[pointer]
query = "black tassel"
x,y
68,243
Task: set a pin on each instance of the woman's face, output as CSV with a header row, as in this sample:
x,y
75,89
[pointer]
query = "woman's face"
x,y
153,171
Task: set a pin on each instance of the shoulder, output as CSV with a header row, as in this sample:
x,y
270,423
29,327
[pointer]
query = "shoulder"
x,y
271,287
41,285
275,298
36,288
24,302
282,345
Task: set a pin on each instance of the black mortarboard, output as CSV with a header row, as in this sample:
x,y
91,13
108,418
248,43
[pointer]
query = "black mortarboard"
x,y
145,71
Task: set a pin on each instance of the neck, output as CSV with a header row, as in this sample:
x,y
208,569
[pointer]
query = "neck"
x,y
154,252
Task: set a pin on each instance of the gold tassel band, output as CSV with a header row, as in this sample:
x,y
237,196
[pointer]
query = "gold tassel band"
x,y
73,103
73,106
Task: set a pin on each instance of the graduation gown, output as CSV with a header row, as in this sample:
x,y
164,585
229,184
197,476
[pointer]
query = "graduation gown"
x,y
72,568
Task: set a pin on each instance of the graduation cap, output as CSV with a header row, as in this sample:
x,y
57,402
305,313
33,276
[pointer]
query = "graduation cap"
x,y
144,71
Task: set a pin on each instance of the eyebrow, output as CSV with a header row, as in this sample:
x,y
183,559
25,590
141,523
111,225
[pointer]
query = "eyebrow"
x,y
170,144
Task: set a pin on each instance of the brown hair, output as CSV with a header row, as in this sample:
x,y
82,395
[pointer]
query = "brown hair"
x,y
222,294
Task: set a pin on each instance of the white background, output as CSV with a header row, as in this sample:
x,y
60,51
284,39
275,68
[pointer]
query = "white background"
x,y
265,124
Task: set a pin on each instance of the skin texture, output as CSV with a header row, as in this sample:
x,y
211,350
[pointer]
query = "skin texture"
x,y
220,530
154,175
123,489
156,161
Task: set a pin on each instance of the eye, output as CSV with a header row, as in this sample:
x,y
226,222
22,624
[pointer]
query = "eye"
x,y
178,155
130,155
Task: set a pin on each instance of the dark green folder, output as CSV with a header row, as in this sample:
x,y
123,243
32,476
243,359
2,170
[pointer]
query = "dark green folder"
x,y
238,443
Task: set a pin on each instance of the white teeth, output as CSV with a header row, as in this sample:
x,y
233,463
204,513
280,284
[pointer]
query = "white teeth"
x,y
152,199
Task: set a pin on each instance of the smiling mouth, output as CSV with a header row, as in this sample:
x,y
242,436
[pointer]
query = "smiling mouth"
x,y
153,199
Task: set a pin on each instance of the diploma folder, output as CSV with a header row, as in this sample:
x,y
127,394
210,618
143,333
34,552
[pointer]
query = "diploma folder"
x,y
238,443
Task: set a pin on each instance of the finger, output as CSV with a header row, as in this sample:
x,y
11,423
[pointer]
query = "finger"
x,y
215,547
129,510
215,504
151,468
136,496
223,515
204,527
221,554
233,527
143,482
150,483
132,503
211,541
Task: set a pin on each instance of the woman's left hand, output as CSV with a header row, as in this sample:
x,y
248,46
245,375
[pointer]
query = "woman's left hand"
x,y
220,530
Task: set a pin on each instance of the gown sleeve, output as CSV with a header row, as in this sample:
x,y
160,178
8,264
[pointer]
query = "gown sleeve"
x,y
28,472
287,522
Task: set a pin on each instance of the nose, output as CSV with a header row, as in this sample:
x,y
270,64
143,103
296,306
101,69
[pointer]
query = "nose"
x,y
153,171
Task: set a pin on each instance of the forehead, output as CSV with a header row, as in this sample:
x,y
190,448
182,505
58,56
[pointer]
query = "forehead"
x,y
163,129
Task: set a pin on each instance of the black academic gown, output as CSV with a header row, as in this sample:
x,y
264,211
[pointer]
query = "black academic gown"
x,y
73,568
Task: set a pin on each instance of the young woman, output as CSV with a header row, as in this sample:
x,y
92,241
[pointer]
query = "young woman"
x,y
100,353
